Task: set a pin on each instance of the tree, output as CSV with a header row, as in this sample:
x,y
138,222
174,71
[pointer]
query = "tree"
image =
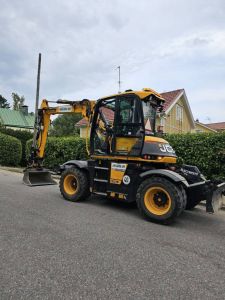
x,y
64,125
3,102
18,101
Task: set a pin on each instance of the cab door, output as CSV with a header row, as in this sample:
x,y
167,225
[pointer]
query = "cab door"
x,y
129,130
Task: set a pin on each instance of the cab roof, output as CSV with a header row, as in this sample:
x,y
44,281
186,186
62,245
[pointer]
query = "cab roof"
x,y
142,94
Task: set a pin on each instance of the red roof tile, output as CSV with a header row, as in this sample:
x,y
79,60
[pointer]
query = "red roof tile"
x,y
170,97
82,122
216,126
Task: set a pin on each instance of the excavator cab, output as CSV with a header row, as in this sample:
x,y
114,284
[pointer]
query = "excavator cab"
x,y
121,122
118,126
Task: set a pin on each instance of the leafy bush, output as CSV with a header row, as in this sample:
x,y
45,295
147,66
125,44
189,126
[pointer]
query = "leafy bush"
x,y
10,150
204,150
21,135
61,149
64,125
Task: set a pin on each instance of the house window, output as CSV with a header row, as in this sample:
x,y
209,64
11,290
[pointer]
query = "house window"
x,y
162,122
179,112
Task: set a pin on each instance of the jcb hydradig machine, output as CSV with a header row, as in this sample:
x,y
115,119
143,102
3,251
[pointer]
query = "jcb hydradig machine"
x,y
126,162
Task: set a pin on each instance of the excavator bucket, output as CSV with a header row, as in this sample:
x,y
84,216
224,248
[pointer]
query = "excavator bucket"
x,y
35,177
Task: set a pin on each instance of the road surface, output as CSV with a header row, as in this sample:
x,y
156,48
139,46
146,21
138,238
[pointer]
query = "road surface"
x,y
99,249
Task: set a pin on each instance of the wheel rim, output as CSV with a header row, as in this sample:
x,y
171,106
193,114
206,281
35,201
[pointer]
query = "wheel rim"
x,y
70,184
157,201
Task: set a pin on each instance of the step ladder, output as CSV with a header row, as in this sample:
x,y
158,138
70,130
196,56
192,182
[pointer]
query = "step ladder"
x,y
100,180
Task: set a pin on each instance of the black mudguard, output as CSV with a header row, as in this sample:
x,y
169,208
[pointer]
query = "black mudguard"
x,y
81,164
173,176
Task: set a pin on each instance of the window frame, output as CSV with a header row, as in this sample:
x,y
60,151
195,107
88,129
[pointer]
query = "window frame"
x,y
179,112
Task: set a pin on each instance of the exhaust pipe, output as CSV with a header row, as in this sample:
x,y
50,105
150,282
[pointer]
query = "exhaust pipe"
x,y
38,177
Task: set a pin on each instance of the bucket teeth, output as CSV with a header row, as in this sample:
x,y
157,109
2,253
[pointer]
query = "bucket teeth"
x,y
34,177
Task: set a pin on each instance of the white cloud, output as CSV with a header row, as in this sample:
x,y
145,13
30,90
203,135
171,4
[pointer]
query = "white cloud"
x,y
163,44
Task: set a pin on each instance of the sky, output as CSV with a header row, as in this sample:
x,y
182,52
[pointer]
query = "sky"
x,y
161,44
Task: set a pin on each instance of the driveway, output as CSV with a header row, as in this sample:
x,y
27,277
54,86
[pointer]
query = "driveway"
x,y
100,249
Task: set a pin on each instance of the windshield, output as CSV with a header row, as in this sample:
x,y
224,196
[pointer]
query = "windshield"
x,y
149,112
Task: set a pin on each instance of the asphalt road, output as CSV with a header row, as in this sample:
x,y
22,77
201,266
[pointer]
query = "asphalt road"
x,y
99,249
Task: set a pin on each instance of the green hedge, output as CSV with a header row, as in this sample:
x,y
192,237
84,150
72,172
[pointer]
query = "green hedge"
x,y
205,150
61,149
21,135
10,150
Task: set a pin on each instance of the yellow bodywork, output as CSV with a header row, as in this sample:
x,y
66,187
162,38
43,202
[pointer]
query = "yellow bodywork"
x,y
128,143
141,94
124,144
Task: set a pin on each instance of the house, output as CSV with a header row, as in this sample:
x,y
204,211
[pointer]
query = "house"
x,y
176,116
200,128
217,126
16,119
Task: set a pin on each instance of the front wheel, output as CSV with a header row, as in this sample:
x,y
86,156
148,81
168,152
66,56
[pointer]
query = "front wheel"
x,y
74,184
160,200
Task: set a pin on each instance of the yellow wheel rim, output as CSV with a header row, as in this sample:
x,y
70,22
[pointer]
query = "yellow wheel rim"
x,y
70,184
157,201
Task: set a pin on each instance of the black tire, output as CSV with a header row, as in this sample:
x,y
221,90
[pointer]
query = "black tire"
x,y
155,189
74,184
184,194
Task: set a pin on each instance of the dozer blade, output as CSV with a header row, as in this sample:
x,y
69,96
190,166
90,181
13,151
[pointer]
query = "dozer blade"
x,y
35,177
213,202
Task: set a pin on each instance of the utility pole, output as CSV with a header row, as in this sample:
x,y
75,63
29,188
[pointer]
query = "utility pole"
x,y
119,82
37,101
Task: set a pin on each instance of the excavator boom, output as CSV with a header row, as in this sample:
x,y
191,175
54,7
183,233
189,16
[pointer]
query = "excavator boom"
x,y
35,174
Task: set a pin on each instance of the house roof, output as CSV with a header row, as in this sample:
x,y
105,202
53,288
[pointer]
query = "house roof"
x,y
108,113
216,126
14,118
170,97
204,126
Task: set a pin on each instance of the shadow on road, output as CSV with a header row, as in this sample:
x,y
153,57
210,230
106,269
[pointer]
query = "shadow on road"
x,y
197,218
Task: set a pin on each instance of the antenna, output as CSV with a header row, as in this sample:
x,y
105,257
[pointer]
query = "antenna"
x,y
119,82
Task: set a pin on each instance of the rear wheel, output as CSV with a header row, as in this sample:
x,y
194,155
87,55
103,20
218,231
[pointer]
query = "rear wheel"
x,y
74,184
160,200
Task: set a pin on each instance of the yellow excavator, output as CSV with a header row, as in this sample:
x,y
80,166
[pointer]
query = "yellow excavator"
x,y
125,163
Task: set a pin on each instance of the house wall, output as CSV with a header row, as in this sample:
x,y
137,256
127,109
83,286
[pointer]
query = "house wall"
x,y
172,125
198,128
83,132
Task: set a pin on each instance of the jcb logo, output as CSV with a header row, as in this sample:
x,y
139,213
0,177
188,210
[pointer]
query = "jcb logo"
x,y
166,148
